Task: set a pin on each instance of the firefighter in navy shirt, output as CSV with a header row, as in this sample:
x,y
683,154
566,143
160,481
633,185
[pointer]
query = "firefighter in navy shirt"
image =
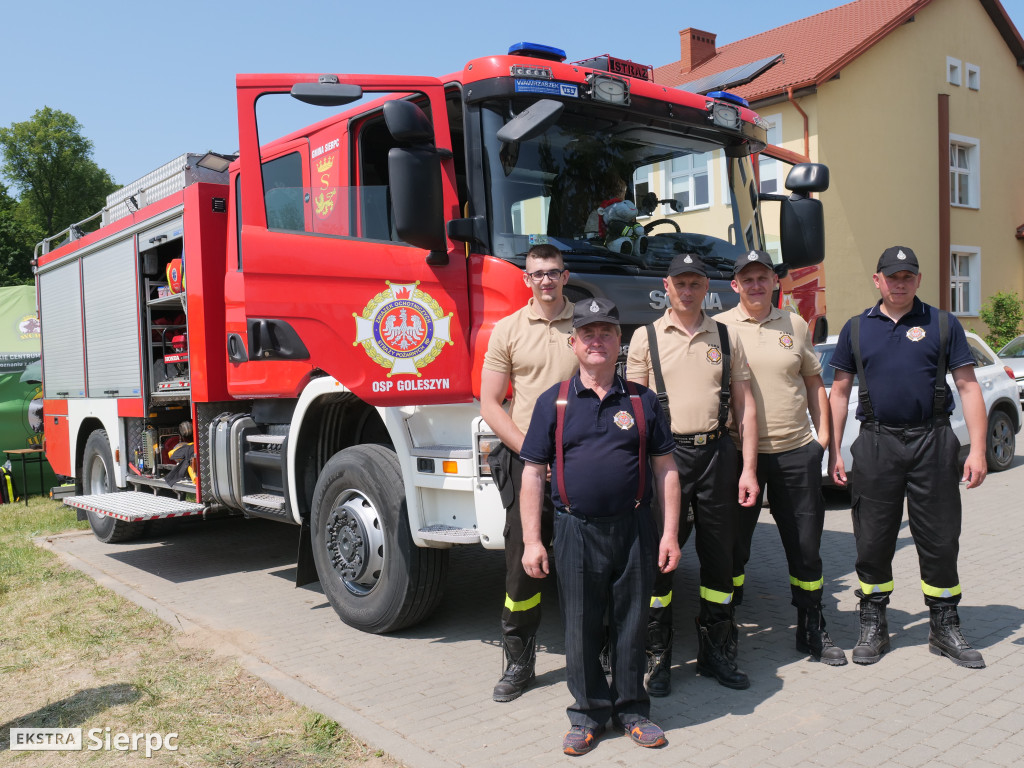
x,y
906,448
597,432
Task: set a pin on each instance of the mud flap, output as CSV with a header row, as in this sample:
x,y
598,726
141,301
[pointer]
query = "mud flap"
x,y
305,567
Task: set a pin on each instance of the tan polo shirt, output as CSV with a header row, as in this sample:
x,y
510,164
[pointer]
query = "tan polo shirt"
x,y
691,367
534,352
780,353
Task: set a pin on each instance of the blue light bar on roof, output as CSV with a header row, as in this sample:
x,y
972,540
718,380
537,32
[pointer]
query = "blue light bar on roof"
x,y
731,97
537,51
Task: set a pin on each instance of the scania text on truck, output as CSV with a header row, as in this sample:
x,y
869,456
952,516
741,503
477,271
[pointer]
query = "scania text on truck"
x,y
295,332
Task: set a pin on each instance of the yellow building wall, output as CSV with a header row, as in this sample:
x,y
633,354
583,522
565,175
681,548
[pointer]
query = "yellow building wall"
x,y
876,127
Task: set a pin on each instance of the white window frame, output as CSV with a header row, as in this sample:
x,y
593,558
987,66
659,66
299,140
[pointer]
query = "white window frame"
x,y
972,175
671,176
723,177
968,287
954,71
770,164
973,76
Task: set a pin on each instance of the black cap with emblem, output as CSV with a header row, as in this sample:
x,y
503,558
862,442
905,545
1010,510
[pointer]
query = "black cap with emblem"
x,y
687,262
753,257
598,310
898,258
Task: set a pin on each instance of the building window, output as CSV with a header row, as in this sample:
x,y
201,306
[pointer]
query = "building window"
x,y
964,172
952,70
689,181
973,77
964,280
770,170
643,183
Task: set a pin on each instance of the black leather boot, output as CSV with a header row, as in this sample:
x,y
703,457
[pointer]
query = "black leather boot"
x,y
520,662
711,658
945,638
732,642
874,633
659,658
812,637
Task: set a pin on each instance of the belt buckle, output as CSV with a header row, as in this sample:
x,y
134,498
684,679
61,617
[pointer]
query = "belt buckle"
x,y
701,439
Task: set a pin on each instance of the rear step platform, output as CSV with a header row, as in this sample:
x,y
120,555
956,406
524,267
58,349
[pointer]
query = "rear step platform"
x,y
133,506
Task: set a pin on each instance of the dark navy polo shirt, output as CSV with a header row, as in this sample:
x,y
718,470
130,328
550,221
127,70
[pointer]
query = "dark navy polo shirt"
x,y
900,360
601,446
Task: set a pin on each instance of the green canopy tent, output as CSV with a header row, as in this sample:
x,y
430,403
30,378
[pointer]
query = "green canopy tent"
x,y
21,392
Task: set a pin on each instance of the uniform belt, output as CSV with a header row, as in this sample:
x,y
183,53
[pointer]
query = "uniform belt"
x,y
596,518
697,438
921,425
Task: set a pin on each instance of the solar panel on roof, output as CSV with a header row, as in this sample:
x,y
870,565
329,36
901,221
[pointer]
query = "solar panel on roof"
x,y
721,81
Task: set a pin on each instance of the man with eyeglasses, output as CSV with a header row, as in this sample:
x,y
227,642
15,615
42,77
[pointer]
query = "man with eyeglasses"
x,y
529,349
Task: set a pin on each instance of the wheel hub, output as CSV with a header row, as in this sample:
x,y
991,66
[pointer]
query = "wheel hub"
x,y
355,543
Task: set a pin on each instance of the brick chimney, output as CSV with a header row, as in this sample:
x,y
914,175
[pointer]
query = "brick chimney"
x,y
695,47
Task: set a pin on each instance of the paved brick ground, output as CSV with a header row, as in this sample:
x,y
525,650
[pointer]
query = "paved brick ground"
x,y
424,695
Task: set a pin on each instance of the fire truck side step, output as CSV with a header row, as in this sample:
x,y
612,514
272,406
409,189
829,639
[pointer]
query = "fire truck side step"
x,y
264,500
133,506
450,534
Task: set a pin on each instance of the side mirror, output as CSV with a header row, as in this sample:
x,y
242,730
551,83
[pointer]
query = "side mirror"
x,y
532,121
414,179
807,177
407,123
802,231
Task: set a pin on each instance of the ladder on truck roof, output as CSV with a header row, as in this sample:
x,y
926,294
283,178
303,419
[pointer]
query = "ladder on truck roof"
x,y
135,506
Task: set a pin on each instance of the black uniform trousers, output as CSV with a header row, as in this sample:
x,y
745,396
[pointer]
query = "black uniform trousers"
x,y
606,567
521,614
793,480
920,463
707,483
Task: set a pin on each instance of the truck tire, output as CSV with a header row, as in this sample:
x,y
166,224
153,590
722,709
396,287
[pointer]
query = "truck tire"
x,y
1001,442
372,573
98,477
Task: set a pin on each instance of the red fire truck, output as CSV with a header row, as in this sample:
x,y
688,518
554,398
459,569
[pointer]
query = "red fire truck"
x,y
295,332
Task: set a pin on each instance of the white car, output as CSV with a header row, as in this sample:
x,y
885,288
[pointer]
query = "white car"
x,y
1002,404
1012,355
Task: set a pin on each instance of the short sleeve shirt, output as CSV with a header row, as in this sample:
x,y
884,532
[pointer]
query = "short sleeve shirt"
x,y
780,354
600,446
691,367
534,352
900,361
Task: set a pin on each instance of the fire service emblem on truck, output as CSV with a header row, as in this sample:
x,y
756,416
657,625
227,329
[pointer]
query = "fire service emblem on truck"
x,y
403,329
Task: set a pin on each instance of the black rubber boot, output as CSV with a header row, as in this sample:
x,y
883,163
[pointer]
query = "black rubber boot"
x,y
520,662
732,642
659,658
945,638
711,658
874,633
812,637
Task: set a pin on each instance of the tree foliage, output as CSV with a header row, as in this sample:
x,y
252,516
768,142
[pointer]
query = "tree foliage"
x,y
50,163
1003,313
17,238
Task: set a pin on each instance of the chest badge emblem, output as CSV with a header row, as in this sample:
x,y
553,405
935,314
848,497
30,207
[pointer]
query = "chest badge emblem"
x,y
624,420
786,341
714,355
916,333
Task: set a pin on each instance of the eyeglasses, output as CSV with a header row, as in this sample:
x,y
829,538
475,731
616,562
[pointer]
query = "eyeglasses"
x,y
539,275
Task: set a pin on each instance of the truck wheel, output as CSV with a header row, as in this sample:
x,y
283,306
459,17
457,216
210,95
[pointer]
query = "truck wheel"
x,y
98,477
373,574
1000,443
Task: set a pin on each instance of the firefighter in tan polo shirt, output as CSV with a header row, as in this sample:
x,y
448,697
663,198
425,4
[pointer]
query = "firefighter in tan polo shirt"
x,y
529,349
786,381
701,367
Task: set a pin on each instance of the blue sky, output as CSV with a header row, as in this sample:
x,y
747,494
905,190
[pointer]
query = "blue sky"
x,y
152,80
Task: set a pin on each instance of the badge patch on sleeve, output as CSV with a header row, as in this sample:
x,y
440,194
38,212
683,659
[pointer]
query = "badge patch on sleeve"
x,y
916,333
624,420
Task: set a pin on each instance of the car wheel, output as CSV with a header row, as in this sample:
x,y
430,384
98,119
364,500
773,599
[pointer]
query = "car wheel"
x,y
1001,442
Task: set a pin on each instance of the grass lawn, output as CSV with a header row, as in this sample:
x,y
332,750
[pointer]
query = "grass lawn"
x,y
76,655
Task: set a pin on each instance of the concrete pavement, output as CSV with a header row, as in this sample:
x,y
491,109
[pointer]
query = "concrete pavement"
x,y
423,695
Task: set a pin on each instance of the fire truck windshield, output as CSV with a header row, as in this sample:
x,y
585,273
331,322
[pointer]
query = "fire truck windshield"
x,y
560,187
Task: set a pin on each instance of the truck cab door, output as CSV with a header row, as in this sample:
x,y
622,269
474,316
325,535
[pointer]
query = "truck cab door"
x,y
345,295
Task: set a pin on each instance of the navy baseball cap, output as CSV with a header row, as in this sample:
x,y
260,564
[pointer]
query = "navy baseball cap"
x,y
898,258
687,262
753,257
596,310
